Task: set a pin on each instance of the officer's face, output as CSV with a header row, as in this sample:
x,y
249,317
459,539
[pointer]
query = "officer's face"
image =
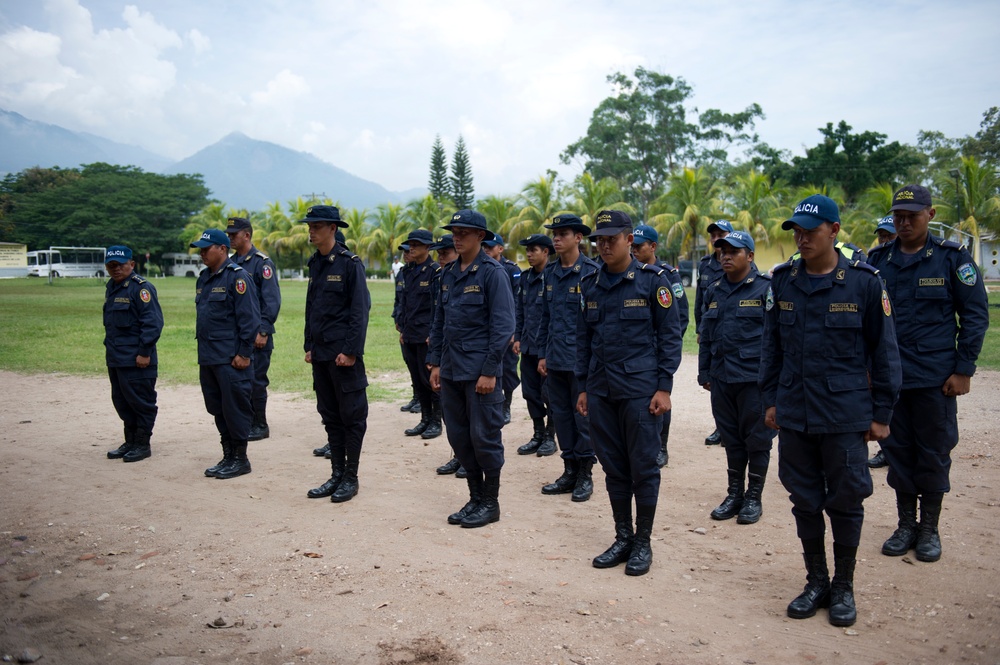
x,y
538,256
818,242
418,252
493,251
322,234
616,250
467,240
119,272
446,255
213,256
644,252
565,240
240,240
912,226
884,236
735,260
716,234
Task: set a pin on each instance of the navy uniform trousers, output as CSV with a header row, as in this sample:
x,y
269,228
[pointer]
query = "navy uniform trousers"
x,y
227,393
342,403
133,394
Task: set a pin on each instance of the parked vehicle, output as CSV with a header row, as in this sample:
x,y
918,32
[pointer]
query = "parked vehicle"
x,y
686,268
181,264
66,262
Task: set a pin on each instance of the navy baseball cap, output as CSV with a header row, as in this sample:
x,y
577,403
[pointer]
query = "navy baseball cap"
x,y
117,253
495,241
612,222
237,224
644,233
403,248
721,225
886,224
736,239
569,221
444,242
538,240
422,236
913,198
469,219
813,211
328,214
211,237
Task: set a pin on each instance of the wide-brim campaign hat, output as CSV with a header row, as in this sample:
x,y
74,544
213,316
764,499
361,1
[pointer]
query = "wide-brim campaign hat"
x,y
328,214
568,221
469,219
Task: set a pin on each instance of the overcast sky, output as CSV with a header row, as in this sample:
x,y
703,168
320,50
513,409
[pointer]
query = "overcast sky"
x,y
367,84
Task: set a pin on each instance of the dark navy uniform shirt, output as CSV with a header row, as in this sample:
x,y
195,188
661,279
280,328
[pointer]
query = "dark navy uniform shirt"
x,y
514,271
928,290
133,321
709,271
677,286
629,333
337,305
228,314
829,360
416,301
530,301
558,328
731,329
265,278
474,320
397,299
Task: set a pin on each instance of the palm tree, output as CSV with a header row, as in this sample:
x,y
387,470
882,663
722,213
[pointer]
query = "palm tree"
x,y
429,213
357,230
686,209
389,227
590,196
975,200
754,203
540,201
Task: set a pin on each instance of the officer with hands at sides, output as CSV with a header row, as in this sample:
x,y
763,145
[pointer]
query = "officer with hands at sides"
x,y
228,322
494,249
709,271
133,322
829,376
628,351
886,232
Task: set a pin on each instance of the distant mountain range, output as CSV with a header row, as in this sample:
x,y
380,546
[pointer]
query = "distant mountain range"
x,y
240,171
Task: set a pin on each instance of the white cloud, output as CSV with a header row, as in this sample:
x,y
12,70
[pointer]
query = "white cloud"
x,y
199,41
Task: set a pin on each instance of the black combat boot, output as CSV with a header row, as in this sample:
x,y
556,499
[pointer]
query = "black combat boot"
x,y
140,449
348,487
733,503
584,486
565,483
258,428
421,427
537,438
238,465
322,452
120,451
662,457
842,610
877,461
330,486
507,399
817,590
713,439
621,549
475,481
449,467
411,405
752,508
433,429
641,556
904,537
928,546
488,510
548,446
227,457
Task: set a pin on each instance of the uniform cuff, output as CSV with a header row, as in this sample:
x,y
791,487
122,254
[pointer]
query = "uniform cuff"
x,y
666,384
882,414
965,368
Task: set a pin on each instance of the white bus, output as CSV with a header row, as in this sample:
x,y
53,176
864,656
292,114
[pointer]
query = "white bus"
x,y
180,264
66,262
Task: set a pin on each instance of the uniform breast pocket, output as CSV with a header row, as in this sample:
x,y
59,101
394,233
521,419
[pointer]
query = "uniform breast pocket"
x,y
709,322
844,338
121,316
473,300
750,322
930,300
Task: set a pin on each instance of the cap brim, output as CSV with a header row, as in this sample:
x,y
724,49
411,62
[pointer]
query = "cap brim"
x,y
202,244
610,231
726,241
342,224
909,207
807,222
576,228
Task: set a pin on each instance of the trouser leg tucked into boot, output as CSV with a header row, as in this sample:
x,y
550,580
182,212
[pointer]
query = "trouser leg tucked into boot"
x,y
348,487
140,449
227,457
565,483
537,438
548,446
434,426
641,557
904,537
817,590
584,486
621,549
752,507
120,451
842,609
488,510
238,464
928,547
731,505
337,464
475,481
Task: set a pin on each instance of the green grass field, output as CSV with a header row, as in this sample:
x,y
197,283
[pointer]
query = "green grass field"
x,y
58,328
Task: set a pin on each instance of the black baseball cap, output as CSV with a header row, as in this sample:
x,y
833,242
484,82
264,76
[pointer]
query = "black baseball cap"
x,y
913,198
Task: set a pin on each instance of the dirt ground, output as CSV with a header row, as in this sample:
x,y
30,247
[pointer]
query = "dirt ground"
x,y
105,562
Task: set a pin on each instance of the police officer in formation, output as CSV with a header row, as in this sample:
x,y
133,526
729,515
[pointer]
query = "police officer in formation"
x,y
414,324
132,325
728,362
628,351
886,232
337,306
941,320
413,406
557,344
228,323
472,329
265,277
494,249
644,246
709,272
830,376
529,300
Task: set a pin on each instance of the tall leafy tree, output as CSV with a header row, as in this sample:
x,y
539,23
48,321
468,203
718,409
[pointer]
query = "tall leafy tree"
x,y
438,185
985,145
689,205
462,192
754,202
589,196
975,206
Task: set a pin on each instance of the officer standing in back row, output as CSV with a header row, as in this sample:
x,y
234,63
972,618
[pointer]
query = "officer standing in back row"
x,y
261,269
709,271
132,325
494,249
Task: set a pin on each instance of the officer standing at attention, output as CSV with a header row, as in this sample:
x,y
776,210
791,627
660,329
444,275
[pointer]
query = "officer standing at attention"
x,y
132,325
829,376
709,272
941,320
337,306
413,406
228,322
886,232
644,245
557,341
529,300
494,249
414,323
472,328
629,349
728,362
265,277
